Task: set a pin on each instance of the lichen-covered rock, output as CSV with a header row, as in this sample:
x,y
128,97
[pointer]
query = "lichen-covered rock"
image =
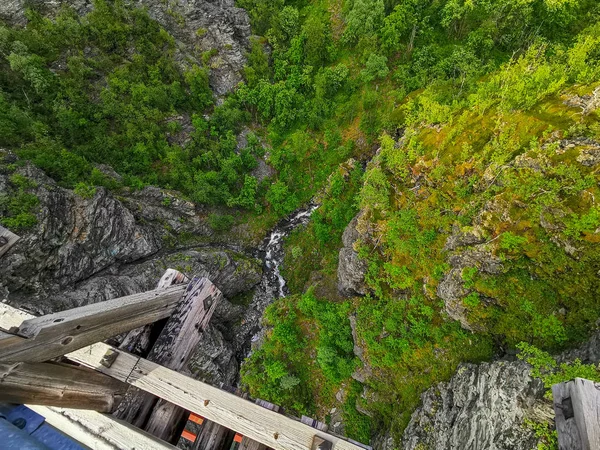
x,y
351,269
589,157
482,407
363,372
452,287
587,353
464,237
588,103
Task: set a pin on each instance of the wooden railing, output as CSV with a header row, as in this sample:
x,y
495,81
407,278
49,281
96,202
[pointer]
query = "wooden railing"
x,y
156,395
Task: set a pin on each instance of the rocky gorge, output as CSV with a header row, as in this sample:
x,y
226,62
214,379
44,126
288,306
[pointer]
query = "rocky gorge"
x,y
429,258
88,250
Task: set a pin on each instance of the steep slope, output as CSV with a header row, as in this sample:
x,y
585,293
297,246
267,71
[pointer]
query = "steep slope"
x,y
199,26
97,246
477,229
452,147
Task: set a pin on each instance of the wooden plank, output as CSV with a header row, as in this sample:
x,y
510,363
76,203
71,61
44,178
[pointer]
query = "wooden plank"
x,y
314,423
99,431
272,429
56,334
577,408
138,341
9,339
59,385
568,434
156,304
173,349
213,437
7,240
249,444
206,401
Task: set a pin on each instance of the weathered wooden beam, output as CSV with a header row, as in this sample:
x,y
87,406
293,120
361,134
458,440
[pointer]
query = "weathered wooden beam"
x,y
59,385
56,334
139,341
7,240
577,408
173,349
249,444
99,431
272,429
213,437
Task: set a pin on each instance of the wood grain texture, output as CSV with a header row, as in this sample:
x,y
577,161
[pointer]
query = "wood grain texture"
x,y
99,431
138,341
10,238
577,408
249,444
59,385
221,407
213,437
56,334
271,429
129,307
173,349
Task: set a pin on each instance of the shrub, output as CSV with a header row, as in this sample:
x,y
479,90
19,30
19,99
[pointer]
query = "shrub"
x,y
376,67
220,222
84,190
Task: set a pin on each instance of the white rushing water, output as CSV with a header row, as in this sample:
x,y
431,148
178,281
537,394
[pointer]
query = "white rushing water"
x,y
274,248
272,285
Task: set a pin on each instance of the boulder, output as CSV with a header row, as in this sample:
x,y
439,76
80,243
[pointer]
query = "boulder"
x,y
351,269
482,407
214,360
452,287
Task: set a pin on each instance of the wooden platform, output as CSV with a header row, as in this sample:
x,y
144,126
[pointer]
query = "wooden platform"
x,y
256,423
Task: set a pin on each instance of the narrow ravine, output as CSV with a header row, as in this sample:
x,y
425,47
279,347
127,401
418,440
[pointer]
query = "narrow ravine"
x,y
272,285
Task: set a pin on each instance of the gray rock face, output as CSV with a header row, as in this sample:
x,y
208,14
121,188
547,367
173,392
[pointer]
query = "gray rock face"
x,y
75,238
587,353
89,250
212,26
214,360
209,25
351,269
589,157
452,287
483,407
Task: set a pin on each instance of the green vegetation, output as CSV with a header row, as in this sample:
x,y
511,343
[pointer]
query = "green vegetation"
x,y
545,367
221,222
295,368
476,109
479,93
17,208
105,88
